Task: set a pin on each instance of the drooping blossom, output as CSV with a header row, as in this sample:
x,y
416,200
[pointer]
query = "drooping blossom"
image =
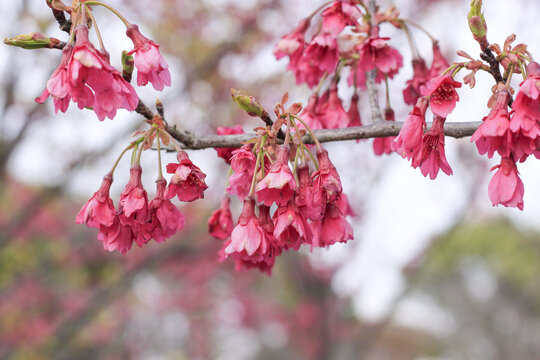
x,y
525,121
442,93
247,237
290,228
220,224
58,83
327,178
408,143
383,145
306,196
165,218
243,165
505,187
339,15
226,153
333,115
375,53
94,82
319,57
279,184
188,180
99,210
118,236
150,64
312,114
354,113
493,134
292,44
133,204
433,156
439,64
332,228
420,76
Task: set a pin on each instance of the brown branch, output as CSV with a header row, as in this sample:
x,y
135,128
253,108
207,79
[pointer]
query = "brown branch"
x,y
379,129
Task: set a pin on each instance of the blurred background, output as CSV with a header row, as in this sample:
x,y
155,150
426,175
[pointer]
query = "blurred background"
x,y
434,271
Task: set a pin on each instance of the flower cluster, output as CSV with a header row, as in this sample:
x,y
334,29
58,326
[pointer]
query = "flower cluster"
x,y
514,135
136,219
283,208
86,77
345,40
426,150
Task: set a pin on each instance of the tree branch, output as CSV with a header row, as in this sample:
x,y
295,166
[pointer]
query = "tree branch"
x,y
379,129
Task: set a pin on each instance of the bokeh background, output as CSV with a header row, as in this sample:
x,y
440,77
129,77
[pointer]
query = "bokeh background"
x,y
434,271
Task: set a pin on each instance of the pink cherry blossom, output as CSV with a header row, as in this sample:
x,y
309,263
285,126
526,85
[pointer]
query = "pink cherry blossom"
x,y
354,113
442,93
165,218
493,134
58,83
408,144
433,157
375,53
420,76
226,153
313,112
188,180
327,177
243,165
506,188
247,236
99,210
118,236
439,64
383,145
94,82
320,56
133,204
264,258
278,185
292,44
333,115
220,224
306,195
150,64
290,228
339,15
332,228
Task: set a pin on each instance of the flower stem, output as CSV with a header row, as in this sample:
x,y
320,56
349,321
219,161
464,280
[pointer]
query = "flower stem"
x,y
100,39
121,155
420,28
160,172
113,10
317,143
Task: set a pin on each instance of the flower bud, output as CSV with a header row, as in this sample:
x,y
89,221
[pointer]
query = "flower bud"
x,y
477,23
34,40
128,64
247,103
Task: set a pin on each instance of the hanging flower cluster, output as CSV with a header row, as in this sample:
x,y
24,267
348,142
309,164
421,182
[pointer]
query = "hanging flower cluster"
x,y
86,77
283,207
136,219
348,40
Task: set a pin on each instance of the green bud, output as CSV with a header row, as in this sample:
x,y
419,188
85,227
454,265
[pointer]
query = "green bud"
x,y
247,103
34,40
477,23
127,66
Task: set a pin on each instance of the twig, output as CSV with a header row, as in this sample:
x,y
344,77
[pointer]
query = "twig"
x,y
495,71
